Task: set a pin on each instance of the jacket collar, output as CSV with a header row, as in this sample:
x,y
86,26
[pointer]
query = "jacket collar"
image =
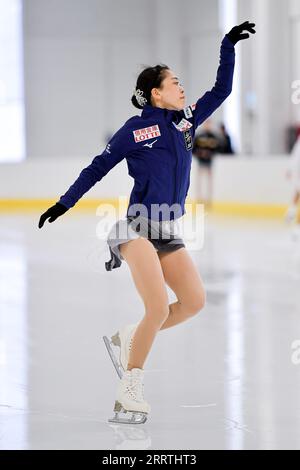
x,y
154,112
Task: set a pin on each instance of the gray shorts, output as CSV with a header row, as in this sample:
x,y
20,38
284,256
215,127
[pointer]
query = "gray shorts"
x,y
163,236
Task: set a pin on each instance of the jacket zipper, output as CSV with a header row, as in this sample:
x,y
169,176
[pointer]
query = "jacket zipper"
x,y
175,152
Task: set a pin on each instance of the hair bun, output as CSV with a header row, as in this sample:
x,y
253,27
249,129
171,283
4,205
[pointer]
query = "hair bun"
x,y
135,103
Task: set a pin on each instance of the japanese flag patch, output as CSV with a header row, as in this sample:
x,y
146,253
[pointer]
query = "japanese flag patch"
x,y
140,135
183,126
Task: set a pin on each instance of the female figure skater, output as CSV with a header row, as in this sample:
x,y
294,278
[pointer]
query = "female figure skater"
x,y
158,148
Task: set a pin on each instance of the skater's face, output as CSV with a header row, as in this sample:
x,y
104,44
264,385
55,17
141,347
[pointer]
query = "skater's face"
x,y
171,93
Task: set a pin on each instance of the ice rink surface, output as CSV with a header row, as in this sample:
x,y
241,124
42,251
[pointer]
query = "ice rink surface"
x,y
229,378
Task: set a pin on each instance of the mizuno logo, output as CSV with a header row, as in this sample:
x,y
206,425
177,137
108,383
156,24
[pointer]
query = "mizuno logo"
x,y
150,145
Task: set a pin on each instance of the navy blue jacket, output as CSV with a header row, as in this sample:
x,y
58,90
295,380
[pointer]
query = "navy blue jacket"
x,y
158,149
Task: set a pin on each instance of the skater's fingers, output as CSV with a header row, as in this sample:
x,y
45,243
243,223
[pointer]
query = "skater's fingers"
x,y
251,30
243,25
247,26
42,220
244,36
246,23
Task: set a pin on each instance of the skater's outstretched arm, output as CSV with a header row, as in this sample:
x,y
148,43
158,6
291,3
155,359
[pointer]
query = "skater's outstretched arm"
x,y
222,88
100,166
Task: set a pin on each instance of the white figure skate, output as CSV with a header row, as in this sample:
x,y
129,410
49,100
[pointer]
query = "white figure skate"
x,y
122,339
130,399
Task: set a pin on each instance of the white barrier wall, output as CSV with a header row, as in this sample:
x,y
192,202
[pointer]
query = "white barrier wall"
x,y
252,181
82,58
236,179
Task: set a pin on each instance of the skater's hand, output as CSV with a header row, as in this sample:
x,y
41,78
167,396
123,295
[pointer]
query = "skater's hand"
x,y
236,34
52,213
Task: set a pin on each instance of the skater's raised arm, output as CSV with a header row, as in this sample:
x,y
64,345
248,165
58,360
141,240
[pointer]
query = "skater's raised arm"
x,y
222,88
100,166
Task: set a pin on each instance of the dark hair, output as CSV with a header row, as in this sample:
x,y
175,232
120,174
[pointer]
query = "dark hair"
x,y
149,78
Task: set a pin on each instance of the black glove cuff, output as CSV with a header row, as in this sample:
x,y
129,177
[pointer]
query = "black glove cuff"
x,y
232,38
61,207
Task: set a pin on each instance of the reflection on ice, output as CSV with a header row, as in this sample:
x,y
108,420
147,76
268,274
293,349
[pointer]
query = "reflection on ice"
x,y
13,338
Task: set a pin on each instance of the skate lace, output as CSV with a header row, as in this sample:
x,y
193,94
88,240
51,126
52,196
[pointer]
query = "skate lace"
x,y
136,389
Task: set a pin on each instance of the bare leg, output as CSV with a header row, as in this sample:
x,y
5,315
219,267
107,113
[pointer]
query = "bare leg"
x,y
147,275
150,271
183,278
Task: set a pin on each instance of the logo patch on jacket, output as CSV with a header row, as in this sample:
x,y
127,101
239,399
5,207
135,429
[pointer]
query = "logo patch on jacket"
x,y
188,140
184,125
146,133
188,112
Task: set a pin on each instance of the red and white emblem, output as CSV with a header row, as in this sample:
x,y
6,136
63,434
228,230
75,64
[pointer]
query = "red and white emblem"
x,y
140,135
183,126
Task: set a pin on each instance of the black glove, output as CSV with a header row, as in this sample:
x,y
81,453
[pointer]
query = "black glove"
x,y
53,212
236,33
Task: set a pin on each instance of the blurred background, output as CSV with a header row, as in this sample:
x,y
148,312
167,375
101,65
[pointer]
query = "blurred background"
x,y
68,69
67,72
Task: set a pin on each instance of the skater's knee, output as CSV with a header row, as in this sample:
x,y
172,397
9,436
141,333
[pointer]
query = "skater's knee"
x,y
195,303
157,313
157,303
